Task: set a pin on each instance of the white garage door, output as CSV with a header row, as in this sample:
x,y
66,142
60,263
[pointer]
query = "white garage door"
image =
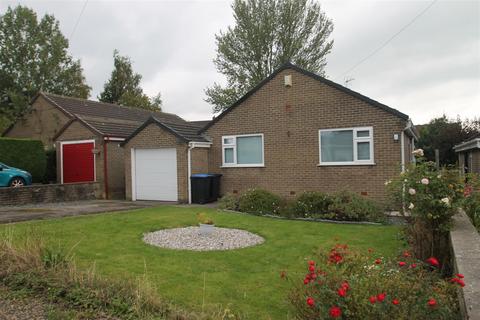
x,y
156,174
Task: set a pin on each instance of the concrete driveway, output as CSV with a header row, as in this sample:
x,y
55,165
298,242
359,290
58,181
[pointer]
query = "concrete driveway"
x,y
10,214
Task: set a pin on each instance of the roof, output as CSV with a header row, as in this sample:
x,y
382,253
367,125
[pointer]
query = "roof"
x,y
184,132
323,80
472,143
199,124
90,108
119,121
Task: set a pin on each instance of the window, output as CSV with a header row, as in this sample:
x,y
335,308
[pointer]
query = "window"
x,y
242,150
349,146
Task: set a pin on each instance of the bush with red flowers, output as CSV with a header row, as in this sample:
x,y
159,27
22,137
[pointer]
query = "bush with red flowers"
x,y
346,284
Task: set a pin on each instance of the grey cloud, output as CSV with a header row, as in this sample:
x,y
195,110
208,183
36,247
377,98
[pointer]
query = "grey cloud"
x,y
431,68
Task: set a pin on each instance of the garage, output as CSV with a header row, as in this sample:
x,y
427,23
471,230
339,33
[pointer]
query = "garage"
x,y
78,161
154,174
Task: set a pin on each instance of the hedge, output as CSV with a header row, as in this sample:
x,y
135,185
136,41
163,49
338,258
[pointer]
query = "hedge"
x,y
25,154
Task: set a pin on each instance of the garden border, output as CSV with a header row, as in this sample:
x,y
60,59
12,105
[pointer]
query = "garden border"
x,y
304,219
465,247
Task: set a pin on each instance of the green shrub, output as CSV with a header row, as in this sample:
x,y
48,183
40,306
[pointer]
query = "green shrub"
x,y
311,204
259,201
345,284
349,206
25,154
228,202
471,201
51,166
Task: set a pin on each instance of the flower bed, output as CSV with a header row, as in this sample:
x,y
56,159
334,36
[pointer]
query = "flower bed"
x,y
346,284
340,206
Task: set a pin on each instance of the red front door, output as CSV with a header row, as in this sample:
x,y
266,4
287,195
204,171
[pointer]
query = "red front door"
x,y
78,162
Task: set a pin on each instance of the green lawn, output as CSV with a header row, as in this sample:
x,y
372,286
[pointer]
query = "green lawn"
x,y
246,280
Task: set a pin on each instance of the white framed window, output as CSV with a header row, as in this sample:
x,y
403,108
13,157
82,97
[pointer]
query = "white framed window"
x,y
244,150
346,146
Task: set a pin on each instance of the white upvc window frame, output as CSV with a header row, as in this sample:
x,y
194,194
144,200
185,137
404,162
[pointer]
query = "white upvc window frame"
x,y
234,147
356,140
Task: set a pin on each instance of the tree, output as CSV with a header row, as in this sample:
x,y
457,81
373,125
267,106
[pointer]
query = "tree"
x,y
33,57
443,134
267,34
123,87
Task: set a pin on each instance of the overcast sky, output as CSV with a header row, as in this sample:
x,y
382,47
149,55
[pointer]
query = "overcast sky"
x,y
431,68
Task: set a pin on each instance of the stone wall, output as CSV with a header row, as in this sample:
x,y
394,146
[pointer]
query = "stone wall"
x,y
46,193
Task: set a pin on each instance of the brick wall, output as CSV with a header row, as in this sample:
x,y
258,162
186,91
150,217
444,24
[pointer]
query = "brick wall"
x,y
116,170
290,119
49,193
42,122
77,131
153,137
199,157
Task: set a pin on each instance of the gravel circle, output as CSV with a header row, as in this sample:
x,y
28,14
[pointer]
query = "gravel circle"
x,y
190,238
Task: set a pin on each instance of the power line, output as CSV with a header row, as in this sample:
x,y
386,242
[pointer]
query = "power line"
x,y
78,20
389,39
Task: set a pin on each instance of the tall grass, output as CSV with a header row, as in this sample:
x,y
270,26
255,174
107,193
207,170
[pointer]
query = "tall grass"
x,y
28,264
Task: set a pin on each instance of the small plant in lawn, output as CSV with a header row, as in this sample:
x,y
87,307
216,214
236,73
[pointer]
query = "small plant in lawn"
x,y
348,284
204,219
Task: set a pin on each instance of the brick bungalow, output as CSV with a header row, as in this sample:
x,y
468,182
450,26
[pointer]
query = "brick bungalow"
x,y
86,135
294,132
469,155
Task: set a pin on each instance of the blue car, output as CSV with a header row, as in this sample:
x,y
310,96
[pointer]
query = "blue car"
x,y
13,177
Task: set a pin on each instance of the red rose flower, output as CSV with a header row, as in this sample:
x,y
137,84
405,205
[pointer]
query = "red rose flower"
x,y
378,261
432,302
433,261
345,285
381,296
395,301
372,299
335,312
306,281
311,268
313,276
311,263
342,292
310,301
461,276
461,283
413,265
401,263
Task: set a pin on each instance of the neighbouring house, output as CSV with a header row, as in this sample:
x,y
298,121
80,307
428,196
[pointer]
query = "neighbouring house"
x,y
294,132
86,135
469,155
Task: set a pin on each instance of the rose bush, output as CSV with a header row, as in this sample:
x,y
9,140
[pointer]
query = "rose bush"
x,y
347,284
430,197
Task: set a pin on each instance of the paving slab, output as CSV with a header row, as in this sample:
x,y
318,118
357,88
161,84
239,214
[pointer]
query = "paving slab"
x,y
9,214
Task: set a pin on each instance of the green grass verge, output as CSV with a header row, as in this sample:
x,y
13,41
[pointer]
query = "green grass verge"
x,y
245,280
